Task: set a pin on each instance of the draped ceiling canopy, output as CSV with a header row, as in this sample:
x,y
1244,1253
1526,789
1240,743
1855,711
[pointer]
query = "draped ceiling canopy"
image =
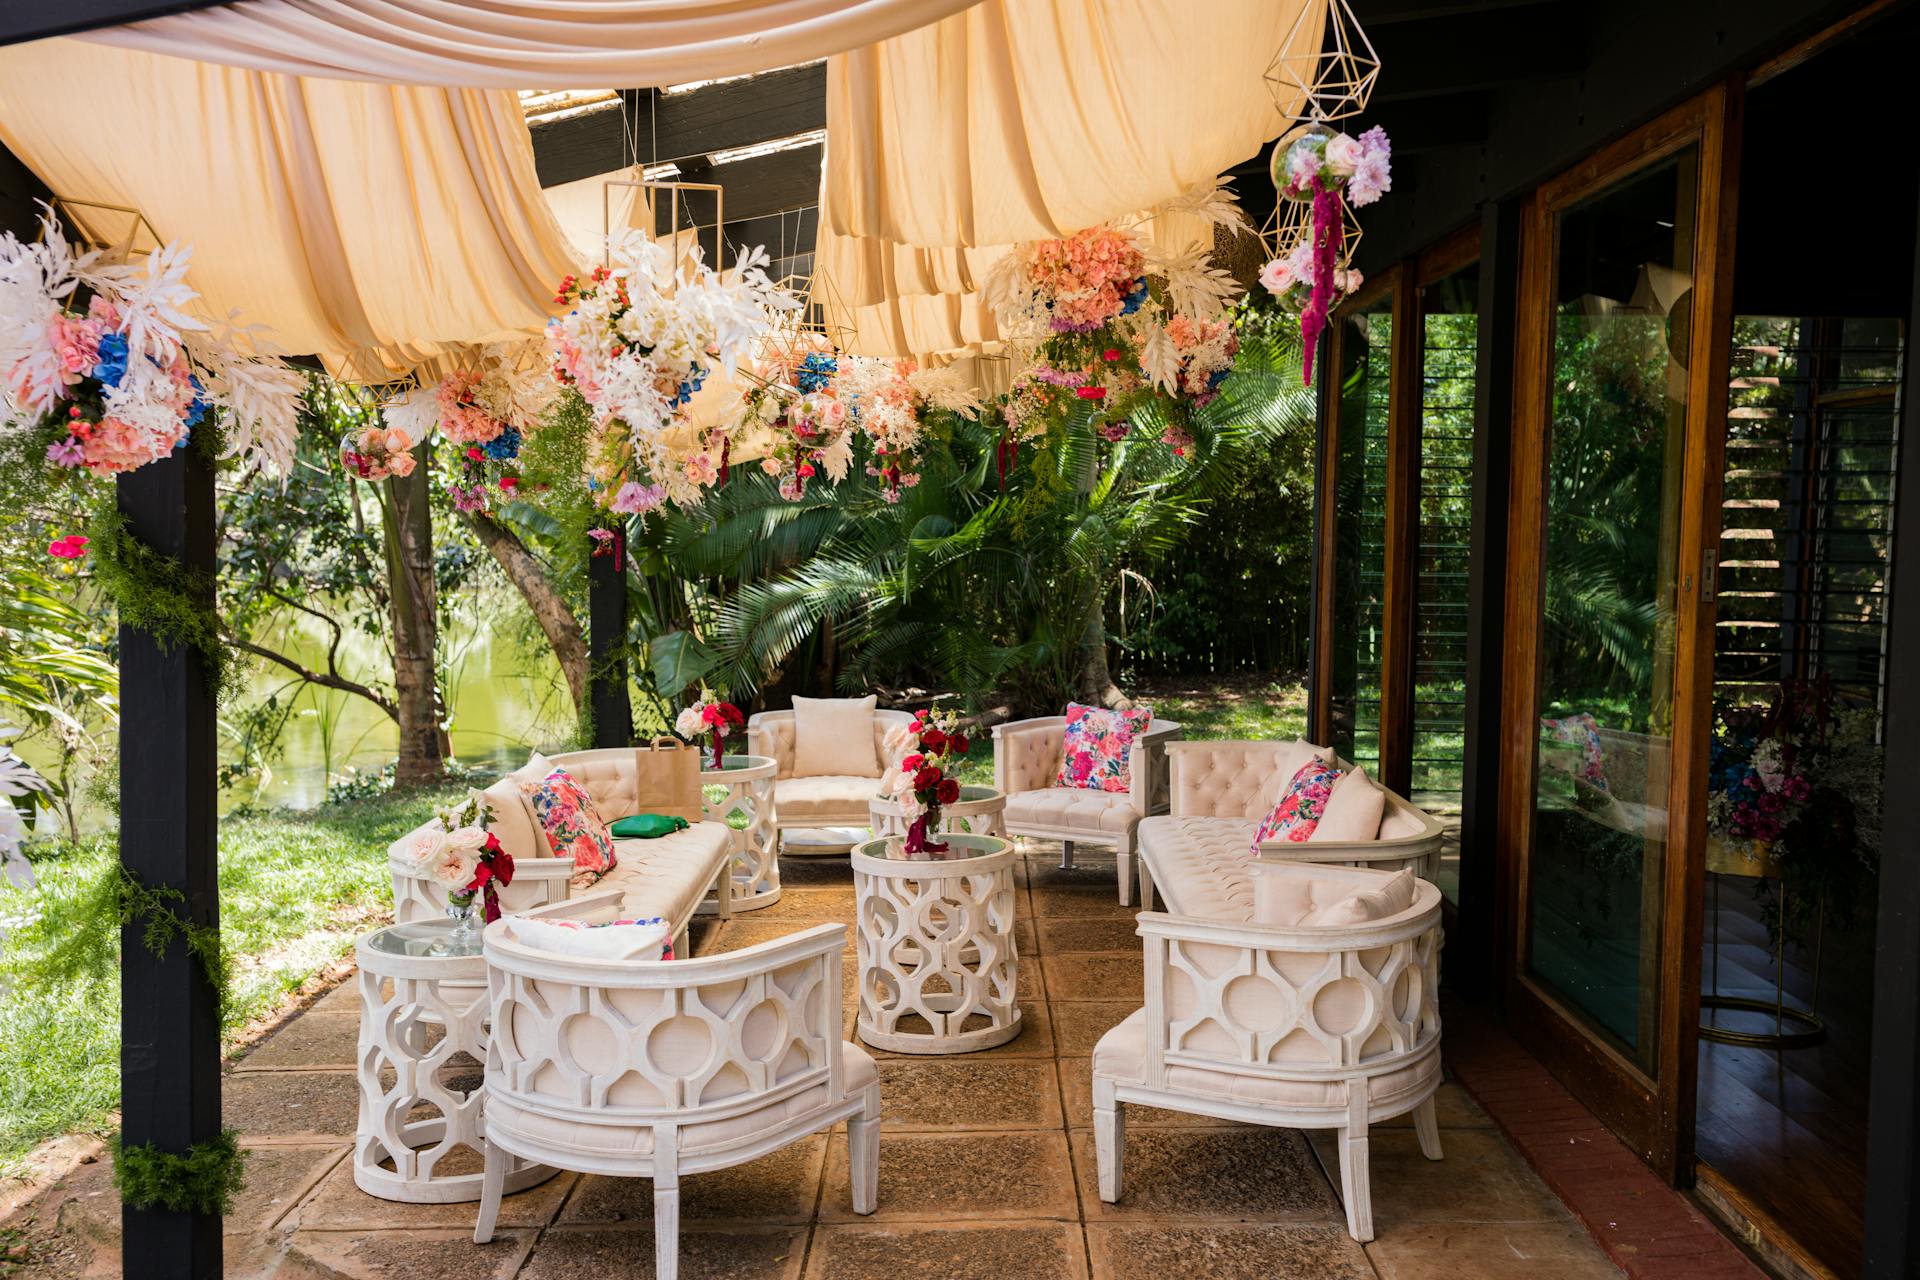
x,y
523,44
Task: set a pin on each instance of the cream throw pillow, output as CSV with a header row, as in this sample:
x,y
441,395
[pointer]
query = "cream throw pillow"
x,y
833,737
1353,810
1368,905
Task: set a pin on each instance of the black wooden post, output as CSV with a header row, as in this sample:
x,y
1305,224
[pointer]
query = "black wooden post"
x,y
1893,1118
1471,949
607,643
169,1012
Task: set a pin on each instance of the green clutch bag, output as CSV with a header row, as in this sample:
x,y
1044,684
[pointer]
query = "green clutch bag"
x,y
648,826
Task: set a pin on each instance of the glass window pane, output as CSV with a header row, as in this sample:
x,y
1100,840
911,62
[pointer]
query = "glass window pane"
x,y
1616,441
1360,533
1450,328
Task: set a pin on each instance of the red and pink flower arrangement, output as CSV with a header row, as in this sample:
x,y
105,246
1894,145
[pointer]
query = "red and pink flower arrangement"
x,y
713,720
461,854
927,748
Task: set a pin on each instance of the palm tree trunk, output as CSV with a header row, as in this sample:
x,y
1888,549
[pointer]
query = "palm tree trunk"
x,y
1097,688
409,522
549,607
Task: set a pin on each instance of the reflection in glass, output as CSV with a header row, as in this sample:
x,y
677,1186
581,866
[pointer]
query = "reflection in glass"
x,y
1360,533
1616,437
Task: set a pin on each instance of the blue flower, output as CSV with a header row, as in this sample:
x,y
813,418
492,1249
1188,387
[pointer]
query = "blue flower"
x,y
1132,302
815,372
197,407
111,365
503,447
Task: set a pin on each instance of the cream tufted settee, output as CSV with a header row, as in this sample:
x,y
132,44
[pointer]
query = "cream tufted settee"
x,y
1026,761
662,1068
1198,855
1321,1012
827,800
669,877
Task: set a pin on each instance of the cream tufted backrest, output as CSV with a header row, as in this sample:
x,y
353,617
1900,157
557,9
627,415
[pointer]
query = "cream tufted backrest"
x,y
1266,1000
1026,753
1237,779
628,1042
770,733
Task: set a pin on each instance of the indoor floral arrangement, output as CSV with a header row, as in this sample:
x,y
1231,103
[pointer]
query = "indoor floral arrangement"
x,y
460,854
927,748
1331,169
713,720
106,362
643,334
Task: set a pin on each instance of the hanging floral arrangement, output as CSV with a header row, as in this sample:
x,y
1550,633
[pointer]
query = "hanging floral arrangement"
x,y
110,364
644,333
1330,169
892,402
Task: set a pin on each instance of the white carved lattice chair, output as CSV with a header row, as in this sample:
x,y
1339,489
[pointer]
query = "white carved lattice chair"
x,y
1294,1025
1026,763
823,800
657,1069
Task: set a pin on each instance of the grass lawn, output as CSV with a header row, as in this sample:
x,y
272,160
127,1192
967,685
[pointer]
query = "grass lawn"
x,y
295,890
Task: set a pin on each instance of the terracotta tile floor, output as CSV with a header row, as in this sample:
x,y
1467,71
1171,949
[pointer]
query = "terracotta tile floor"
x,y
986,1163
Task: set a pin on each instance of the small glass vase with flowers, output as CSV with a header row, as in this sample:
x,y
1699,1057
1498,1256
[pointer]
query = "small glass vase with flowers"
x,y
459,853
928,749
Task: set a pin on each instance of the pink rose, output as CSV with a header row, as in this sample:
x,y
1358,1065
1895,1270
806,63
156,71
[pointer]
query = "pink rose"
x,y
1343,154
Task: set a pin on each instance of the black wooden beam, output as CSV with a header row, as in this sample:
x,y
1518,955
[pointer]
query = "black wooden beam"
x,y
1437,123
169,1012
1893,1128
607,645
22,20
1476,51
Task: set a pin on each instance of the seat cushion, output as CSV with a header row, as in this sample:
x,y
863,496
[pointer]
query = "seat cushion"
x,y
1201,866
833,797
834,737
1121,1055
508,1120
668,877
1096,813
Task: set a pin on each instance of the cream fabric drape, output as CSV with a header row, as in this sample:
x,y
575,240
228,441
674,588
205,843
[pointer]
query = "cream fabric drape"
x,y
1020,120
371,225
523,44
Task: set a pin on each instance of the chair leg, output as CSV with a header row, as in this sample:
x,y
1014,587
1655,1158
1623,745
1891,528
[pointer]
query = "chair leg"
x,y
1144,879
492,1182
1066,855
1426,1123
723,885
863,1153
1355,1184
1123,864
1109,1138
666,1203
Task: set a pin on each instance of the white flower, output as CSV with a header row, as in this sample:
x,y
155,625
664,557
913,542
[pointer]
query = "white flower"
x,y
898,739
466,839
688,723
454,868
1343,154
427,846
899,784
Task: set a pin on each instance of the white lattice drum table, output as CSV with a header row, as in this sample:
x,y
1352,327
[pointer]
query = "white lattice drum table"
x,y
977,813
748,781
409,987
938,966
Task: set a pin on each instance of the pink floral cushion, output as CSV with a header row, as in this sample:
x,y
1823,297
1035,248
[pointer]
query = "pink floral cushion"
x,y
565,812
1098,752
1302,802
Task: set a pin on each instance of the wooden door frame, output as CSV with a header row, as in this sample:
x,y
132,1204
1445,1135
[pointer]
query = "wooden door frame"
x,y
1654,1112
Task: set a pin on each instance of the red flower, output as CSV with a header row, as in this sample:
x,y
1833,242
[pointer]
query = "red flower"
x,y
1091,393
933,741
912,763
949,791
493,843
502,866
1110,354
509,482
957,744
473,452
71,547
927,778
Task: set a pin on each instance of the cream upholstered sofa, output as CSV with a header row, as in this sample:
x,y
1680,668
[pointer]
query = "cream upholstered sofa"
x,y
1198,856
1285,1020
821,800
1026,762
668,877
659,1069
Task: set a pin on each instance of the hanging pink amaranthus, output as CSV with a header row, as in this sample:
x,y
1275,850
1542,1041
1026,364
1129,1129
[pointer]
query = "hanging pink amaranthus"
x,y
1329,227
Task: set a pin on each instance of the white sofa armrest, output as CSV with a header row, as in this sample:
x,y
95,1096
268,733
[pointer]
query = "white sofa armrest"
x,y
770,734
1026,753
1409,838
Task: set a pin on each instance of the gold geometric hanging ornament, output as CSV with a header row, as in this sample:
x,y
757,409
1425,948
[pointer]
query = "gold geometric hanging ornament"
x,y
1326,68
119,232
1291,222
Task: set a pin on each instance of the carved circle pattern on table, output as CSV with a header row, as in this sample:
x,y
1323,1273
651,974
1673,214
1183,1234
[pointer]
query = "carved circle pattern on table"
x,y
406,994
936,945
748,781
979,809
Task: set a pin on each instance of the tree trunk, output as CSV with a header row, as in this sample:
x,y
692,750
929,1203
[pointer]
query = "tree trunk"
x,y
549,608
1097,688
409,521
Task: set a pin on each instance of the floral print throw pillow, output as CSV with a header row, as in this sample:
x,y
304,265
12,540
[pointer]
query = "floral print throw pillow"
x,y
1300,807
574,829
1098,752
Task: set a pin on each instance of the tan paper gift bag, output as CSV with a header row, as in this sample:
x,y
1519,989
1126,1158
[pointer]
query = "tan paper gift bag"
x,y
667,779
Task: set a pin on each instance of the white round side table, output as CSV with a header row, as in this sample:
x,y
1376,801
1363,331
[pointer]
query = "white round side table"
x,y
977,813
941,919
411,986
749,801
